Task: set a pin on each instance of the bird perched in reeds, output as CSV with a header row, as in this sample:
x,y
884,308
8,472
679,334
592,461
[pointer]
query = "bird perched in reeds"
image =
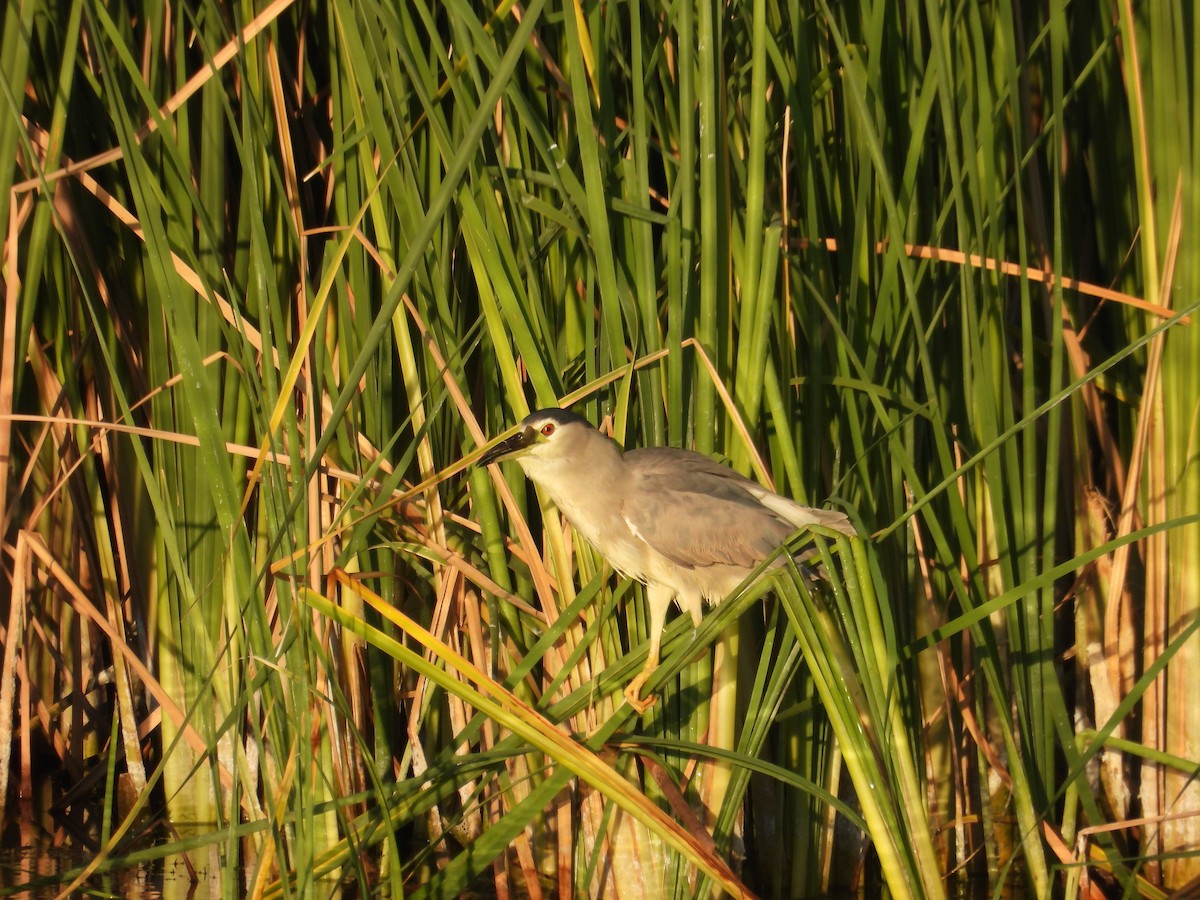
x,y
687,527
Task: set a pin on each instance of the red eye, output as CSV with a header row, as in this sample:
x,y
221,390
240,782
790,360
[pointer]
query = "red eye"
x,y
548,429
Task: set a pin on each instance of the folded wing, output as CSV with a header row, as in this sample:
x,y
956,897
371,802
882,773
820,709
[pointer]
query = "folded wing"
x,y
699,513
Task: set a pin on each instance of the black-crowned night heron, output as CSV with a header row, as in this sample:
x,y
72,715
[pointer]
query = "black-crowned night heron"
x,y
687,527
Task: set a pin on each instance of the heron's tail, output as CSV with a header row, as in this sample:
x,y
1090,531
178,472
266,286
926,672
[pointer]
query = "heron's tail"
x,y
831,518
800,516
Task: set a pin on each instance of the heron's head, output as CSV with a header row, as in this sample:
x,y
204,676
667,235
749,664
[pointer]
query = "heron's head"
x,y
546,436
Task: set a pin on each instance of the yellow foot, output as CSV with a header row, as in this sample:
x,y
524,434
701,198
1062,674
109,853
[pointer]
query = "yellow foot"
x,y
633,694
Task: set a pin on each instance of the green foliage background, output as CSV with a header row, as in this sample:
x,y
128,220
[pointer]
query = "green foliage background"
x,y
274,273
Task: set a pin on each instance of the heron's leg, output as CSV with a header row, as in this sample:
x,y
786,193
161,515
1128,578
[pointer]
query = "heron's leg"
x,y
658,599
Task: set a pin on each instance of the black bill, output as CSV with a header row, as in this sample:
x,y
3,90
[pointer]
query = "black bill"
x,y
508,447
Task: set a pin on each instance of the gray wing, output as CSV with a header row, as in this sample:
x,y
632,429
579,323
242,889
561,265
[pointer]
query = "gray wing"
x,y
697,512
